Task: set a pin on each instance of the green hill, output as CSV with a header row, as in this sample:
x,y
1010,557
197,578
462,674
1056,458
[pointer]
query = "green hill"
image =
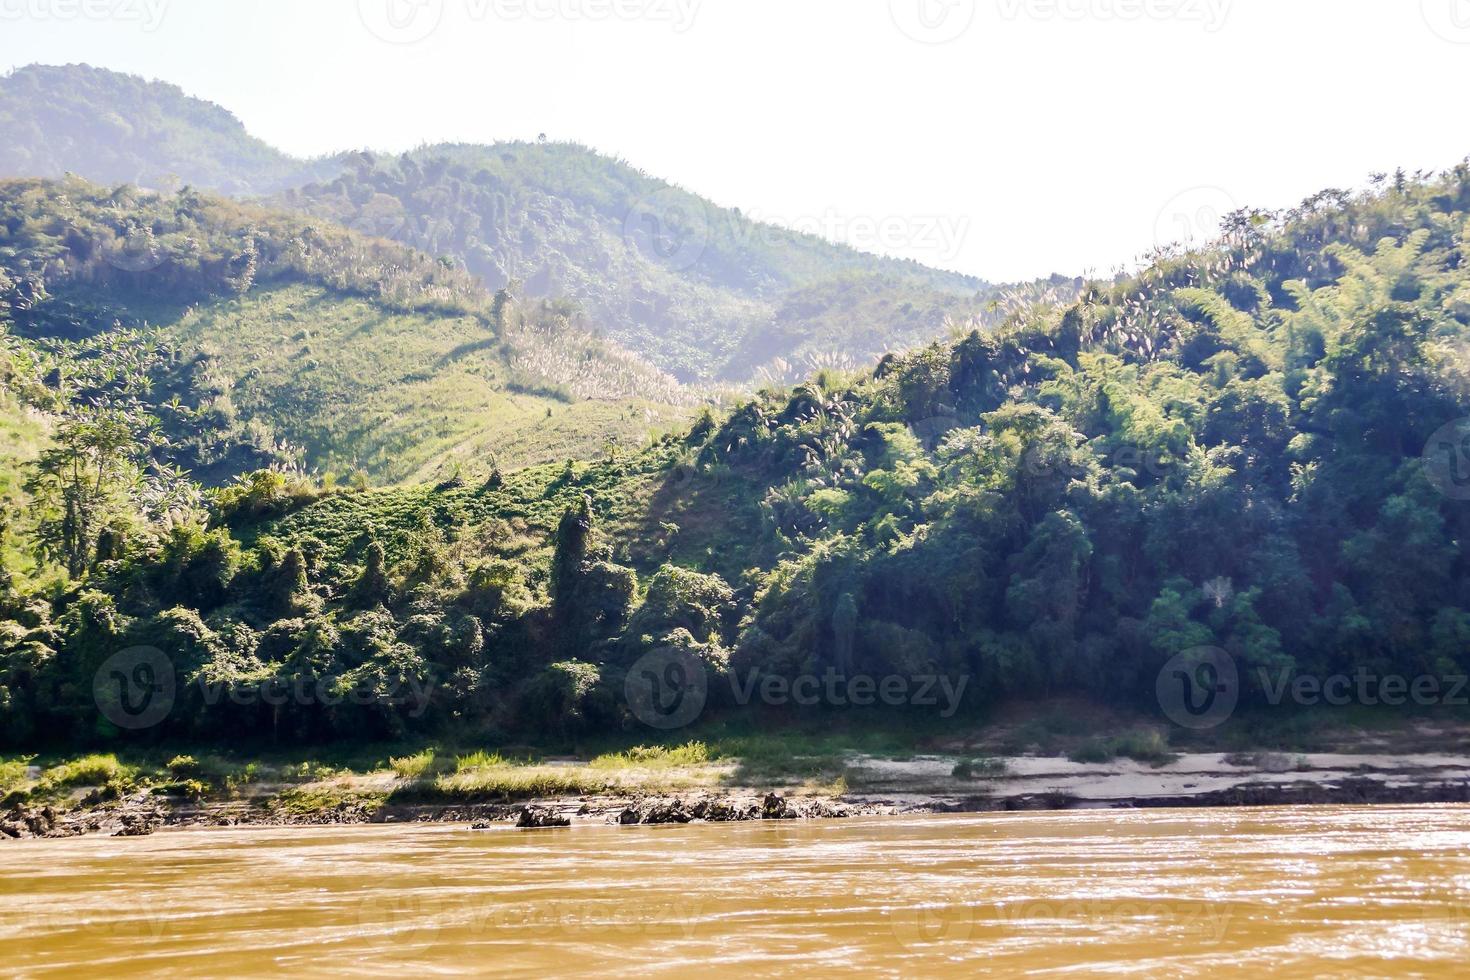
x,y
300,344
700,291
1255,448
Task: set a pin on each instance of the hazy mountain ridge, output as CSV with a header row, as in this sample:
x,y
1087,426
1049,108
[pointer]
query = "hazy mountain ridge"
x,y
113,128
699,290
665,272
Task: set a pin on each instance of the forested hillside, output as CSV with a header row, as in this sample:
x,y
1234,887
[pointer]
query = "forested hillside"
x,y
1256,446
700,291
244,338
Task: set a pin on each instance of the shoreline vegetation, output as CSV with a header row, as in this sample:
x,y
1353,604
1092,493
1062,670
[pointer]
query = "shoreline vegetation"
x,y
1050,761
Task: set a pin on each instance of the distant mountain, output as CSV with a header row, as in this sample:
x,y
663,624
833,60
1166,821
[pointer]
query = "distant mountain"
x,y
700,291
121,129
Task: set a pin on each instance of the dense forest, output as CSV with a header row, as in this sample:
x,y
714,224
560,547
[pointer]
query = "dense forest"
x,y
1255,446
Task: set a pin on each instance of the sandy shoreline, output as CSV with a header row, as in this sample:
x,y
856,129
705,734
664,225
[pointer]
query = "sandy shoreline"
x,y
1199,779
922,784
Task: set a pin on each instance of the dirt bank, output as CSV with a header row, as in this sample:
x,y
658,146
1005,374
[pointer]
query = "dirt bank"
x,y
923,784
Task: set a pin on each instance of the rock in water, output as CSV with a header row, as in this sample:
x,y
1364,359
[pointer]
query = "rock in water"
x,y
23,822
666,811
775,808
540,816
136,825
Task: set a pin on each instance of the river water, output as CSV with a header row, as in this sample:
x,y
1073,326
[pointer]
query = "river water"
x,y
1334,891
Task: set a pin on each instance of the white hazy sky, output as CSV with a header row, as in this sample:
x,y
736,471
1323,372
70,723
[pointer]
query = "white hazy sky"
x,y
1005,138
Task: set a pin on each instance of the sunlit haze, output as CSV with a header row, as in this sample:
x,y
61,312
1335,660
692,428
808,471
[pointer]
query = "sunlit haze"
x,y
1008,138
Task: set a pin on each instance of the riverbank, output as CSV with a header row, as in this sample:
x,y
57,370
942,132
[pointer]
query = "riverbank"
x,y
922,784
1056,755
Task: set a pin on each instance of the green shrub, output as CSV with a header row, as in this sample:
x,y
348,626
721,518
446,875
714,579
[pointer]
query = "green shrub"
x,y
13,775
412,766
480,759
654,757
1141,746
92,770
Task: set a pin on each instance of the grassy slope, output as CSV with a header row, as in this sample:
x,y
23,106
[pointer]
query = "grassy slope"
x,y
366,356
400,396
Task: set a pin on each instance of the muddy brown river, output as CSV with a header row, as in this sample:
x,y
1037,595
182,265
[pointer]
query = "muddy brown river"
x,y
1333,891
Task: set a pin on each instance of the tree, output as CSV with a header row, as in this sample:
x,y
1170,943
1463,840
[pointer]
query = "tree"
x,y
81,482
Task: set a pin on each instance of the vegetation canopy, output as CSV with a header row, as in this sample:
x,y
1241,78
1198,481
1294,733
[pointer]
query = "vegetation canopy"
x,y
1239,447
